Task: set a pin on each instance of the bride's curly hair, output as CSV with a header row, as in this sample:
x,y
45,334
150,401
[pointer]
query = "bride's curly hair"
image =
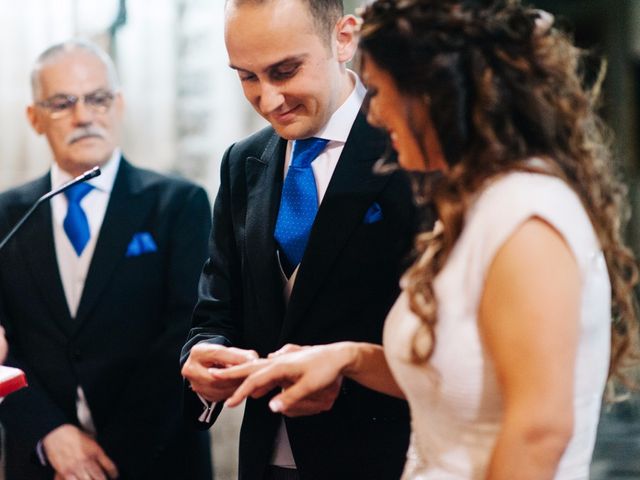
x,y
503,85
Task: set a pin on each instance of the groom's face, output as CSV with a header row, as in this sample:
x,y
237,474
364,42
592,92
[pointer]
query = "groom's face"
x,y
289,71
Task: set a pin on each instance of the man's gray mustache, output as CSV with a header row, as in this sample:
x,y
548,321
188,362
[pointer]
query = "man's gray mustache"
x,y
81,133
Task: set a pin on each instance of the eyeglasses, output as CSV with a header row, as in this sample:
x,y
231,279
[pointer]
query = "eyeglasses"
x,y
61,105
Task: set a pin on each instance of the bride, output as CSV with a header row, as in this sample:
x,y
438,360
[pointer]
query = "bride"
x,y
518,308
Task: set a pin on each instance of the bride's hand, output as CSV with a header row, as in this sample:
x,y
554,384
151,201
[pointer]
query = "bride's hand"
x,y
310,379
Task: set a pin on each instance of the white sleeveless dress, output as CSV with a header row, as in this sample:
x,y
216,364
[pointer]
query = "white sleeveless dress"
x,y
455,401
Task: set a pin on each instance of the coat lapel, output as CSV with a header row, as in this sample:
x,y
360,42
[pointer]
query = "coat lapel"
x,y
37,245
352,189
126,212
264,184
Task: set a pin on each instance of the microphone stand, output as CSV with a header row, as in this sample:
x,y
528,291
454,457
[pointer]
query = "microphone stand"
x,y
89,174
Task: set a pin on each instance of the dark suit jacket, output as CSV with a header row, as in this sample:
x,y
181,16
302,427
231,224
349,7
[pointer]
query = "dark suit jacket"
x,y
346,283
123,346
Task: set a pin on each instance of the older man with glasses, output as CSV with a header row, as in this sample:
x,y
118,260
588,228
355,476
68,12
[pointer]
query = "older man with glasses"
x,y
96,292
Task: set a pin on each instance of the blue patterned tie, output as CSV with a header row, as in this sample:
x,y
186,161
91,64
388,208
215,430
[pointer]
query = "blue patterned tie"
x,y
299,203
75,223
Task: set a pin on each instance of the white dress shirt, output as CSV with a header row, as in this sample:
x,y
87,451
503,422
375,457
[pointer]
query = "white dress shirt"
x,y
73,268
336,131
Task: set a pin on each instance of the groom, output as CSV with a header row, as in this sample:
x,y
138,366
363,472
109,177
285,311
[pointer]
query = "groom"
x,y
307,245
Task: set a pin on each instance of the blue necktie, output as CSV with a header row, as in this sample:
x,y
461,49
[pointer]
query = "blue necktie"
x,y
299,203
75,223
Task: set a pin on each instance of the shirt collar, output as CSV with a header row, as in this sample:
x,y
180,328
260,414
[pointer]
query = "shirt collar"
x,y
103,182
339,125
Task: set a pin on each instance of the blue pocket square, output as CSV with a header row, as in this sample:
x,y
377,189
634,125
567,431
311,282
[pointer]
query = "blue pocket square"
x,y
374,214
141,242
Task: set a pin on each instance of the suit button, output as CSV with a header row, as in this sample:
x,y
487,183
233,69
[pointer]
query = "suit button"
x,y
77,355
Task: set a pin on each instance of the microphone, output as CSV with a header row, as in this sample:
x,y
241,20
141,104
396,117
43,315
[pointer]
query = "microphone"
x,y
89,174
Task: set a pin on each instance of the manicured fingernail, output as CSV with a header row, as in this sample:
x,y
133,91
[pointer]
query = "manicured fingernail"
x,y
275,406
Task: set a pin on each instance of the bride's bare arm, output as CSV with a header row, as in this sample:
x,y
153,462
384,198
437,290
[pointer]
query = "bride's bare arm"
x,y
311,374
529,320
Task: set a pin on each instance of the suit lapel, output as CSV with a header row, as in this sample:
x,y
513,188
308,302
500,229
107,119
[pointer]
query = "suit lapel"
x,y
37,245
352,189
126,213
264,184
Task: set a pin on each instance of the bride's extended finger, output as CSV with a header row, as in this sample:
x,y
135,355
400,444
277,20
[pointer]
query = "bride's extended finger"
x,y
247,388
258,384
290,396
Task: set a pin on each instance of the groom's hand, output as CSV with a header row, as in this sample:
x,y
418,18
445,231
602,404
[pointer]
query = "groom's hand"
x,y
205,360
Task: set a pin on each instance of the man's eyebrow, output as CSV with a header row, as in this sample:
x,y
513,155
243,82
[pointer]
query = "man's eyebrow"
x,y
284,61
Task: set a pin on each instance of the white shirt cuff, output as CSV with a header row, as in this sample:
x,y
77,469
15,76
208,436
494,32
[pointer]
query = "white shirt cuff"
x,y
42,456
205,416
